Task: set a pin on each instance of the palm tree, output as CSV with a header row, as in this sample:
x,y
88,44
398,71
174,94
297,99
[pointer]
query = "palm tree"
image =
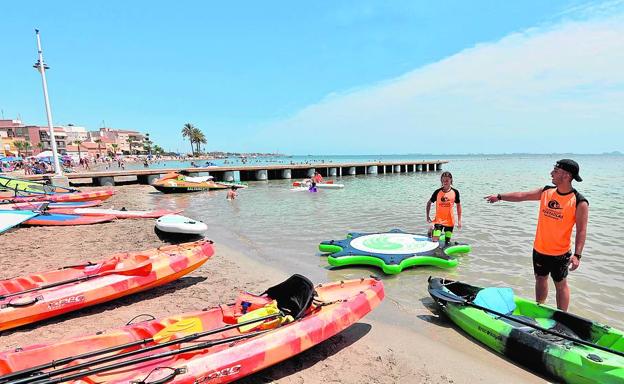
x,y
129,141
198,138
27,146
40,145
19,145
78,142
99,141
187,131
158,150
114,146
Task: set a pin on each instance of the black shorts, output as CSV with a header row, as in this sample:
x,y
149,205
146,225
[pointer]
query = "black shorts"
x,y
556,266
442,228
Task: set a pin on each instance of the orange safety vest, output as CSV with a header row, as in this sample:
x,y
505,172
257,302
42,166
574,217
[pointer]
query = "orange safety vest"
x,y
556,218
444,206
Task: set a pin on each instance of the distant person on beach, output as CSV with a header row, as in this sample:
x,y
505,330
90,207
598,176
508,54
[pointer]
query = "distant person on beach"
x,y
444,198
561,208
232,194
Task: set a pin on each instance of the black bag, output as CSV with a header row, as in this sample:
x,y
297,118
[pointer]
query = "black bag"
x,y
294,296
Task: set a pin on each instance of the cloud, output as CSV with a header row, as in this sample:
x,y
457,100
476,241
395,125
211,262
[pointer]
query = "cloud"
x,y
540,90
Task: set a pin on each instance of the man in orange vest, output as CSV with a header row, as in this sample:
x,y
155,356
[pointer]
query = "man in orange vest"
x,y
561,208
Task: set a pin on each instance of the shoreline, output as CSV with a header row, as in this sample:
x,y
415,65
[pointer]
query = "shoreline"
x,y
378,349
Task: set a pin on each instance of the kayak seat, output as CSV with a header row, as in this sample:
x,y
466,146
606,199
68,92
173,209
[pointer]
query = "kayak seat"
x,y
294,296
500,300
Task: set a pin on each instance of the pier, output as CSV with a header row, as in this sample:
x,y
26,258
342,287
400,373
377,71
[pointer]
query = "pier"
x,y
252,173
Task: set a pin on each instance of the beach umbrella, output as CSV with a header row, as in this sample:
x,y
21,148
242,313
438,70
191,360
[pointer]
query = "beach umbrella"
x,y
45,154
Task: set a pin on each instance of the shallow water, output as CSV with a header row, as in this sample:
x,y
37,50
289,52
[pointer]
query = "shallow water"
x,y
283,228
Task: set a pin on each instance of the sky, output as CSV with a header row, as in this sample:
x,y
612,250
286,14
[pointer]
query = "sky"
x,y
327,77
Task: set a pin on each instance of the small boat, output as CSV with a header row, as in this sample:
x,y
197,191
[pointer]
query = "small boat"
x,y
42,205
10,219
549,341
391,251
28,186
176,182
27,299
326,185
118,213
59,219
217,345
98,194
180,225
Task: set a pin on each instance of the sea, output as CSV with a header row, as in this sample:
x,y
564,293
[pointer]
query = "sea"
x,y
282,228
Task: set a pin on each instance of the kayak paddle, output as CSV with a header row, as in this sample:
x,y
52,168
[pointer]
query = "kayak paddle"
x,y
452,298
93,371
162,338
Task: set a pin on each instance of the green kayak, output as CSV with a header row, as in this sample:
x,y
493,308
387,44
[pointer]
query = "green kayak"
x,y
552,342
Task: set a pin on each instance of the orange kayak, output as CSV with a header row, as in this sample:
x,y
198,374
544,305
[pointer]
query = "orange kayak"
x,y
27,299
99,194
217,345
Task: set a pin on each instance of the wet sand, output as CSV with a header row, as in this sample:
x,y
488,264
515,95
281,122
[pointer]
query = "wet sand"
x,y
370,351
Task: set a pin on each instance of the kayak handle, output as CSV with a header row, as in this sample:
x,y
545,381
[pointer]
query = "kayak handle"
x,y
23,302
175,372
149,318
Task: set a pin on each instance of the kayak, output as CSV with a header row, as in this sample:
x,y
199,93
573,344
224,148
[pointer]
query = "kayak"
x,y
9,219
118,213
549,341
35,206
175,182
391,251
178,224
58,219
17,185
217,345
27,299
99,194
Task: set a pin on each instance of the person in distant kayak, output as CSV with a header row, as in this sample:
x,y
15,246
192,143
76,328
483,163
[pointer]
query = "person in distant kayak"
x,y
317,178
444,198
561,208
232,194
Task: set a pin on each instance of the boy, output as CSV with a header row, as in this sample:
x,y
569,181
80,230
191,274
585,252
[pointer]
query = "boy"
x,y
445,198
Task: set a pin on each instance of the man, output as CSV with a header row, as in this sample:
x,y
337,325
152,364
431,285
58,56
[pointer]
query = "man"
x,y
561,208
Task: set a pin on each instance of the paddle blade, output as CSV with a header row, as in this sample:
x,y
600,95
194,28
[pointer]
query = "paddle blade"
x,y
181,328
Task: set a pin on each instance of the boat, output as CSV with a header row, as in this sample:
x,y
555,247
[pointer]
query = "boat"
x,y
57,219
98,194
28,299
216,345
546,340
180,225
391,251
176,182
28,186
10,219
118,213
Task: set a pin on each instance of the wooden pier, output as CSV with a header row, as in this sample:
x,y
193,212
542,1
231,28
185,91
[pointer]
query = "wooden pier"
x,y
252,172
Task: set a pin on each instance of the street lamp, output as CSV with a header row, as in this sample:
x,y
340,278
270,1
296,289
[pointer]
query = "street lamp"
x,y
41,67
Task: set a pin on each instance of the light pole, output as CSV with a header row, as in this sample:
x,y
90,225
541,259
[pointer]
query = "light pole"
x,y
41,67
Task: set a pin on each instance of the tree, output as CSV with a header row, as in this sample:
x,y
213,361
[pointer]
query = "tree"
x,y
19,145
27,146
99,141
78,142
187,132
130,142
198,138
40,145
158,150
114,146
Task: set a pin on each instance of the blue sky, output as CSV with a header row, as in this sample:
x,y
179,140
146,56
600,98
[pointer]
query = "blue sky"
x,y
328,77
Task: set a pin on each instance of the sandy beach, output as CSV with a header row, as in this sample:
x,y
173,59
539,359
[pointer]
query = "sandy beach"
x,y
371,351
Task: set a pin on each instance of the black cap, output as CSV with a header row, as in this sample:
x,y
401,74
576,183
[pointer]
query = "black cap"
x,y
571,166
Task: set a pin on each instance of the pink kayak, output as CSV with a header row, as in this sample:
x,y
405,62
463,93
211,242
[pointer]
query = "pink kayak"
x,y
98,194
118,213
36,206
59,219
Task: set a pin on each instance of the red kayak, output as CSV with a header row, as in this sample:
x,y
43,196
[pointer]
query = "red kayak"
x,y
99,194
60,219
118,213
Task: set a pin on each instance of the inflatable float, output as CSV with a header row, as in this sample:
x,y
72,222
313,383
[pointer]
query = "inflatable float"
x,y
178,182
180,225
391,251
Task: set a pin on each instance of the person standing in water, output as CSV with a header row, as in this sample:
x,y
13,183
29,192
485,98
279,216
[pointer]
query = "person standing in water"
x,y
232,194
561,208
444,198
